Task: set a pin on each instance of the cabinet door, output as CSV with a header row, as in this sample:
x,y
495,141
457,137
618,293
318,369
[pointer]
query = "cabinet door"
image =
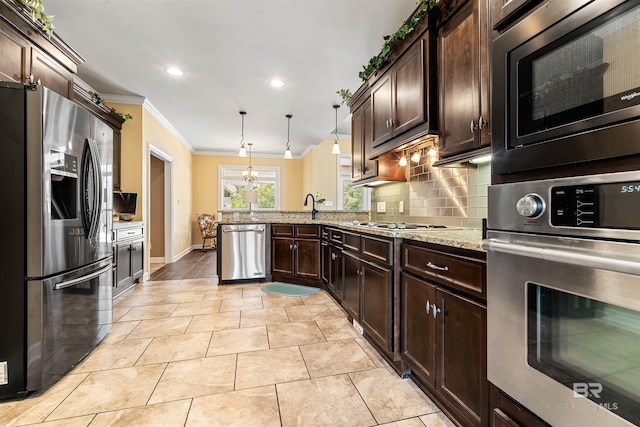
x,y
282,255
508,10
460,88
409,90
381,109
307,258
419,327
137,260
369,167
51,74
351,285
357,128
123,264
335,279
325,271
376,306
462,356
14,55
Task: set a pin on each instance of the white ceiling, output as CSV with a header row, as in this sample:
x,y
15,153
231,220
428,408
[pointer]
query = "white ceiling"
x,y
229,51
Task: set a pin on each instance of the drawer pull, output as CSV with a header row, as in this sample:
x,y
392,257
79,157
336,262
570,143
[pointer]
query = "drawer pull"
x,y
437,267
428,307
436,310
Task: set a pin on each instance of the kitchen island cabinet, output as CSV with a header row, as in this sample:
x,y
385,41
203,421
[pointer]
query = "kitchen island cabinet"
x,y
128,255
444,328
295,253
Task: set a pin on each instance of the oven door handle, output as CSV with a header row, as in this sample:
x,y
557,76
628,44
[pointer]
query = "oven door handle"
x,y
557,255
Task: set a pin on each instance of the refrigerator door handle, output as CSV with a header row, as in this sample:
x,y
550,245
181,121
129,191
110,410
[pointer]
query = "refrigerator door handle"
x,y
97,188
77,280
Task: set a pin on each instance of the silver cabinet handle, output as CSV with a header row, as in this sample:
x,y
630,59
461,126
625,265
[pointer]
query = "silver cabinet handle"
x,y
437,267
436,310
72,282
428,307
473,126
481,122
290,246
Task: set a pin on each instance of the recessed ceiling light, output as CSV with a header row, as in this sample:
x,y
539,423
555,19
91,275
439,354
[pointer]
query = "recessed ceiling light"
x,y
277,83
175,71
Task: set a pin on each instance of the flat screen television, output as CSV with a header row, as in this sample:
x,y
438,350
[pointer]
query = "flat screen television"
x,y
124,204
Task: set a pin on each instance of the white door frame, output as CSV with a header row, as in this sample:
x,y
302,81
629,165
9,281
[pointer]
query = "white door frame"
x,y
168,200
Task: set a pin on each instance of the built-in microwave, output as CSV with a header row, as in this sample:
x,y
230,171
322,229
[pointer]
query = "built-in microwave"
x,y
566,86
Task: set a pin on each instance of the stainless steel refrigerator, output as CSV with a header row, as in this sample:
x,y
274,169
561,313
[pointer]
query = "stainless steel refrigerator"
x,y
56,251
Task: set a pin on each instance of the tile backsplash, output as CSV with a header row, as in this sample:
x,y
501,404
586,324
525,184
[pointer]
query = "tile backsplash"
x,y
435,195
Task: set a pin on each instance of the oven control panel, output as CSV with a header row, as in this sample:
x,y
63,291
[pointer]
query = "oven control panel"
x,y
610,205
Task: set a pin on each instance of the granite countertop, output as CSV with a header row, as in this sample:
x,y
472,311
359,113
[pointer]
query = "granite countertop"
x,y
454,237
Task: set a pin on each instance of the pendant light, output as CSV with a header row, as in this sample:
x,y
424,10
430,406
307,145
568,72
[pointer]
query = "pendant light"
x,y
416,156
336,144
243,151
403,160
250,175
287,152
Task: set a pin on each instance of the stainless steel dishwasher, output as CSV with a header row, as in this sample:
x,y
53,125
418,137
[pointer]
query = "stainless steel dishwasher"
x,y
242,250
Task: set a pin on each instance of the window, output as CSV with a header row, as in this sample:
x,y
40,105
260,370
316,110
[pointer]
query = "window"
x,y
232,188
351,198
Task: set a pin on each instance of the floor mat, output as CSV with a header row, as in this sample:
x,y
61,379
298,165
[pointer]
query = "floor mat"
x,y
288,289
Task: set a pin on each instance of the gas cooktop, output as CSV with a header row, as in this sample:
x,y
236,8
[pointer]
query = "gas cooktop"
x,y
403,226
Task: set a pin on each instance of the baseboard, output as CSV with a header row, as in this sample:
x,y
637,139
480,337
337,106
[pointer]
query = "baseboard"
x,y
183,253
156,260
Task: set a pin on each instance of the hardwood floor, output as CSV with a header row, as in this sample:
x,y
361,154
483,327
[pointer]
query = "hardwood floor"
x,y
197,264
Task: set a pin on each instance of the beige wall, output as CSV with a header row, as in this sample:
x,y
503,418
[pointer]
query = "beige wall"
x,y
137,135
156,214
205,184
321,170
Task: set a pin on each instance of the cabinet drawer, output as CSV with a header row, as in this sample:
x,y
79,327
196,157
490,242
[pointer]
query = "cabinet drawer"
x,y
351,241
378,249
307,230
128,234
282,230
461,272
325,233
335,236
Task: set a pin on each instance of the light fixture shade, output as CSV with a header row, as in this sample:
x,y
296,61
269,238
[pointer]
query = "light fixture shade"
x,y
287,154
242,152
251,196
336,148
403,161
416,157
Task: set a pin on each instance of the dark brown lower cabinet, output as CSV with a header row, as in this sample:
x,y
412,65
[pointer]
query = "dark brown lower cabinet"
x,y
444,344
296,258
332,269
376,308
351,285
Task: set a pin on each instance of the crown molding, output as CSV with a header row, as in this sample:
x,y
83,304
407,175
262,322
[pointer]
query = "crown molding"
x,y
309,149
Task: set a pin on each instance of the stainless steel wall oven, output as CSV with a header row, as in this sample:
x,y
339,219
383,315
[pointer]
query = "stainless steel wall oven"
x,y
563,297
566,82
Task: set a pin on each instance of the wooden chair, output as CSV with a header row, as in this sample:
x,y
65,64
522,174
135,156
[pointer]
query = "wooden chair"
x,y
208,230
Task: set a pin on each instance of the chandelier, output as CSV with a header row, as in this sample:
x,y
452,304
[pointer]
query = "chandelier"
x,y
250,175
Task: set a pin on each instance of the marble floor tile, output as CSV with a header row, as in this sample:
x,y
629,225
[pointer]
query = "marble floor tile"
x,y
411,422
161,414
147,312
197,283
401,399
139,299
160,327
175,347
184,297
252,292
273,300
437,419
37,408
83,421
259,368
335,357
242,408
120,331
263,316
372,353
119,311
320,297
110,390
223,293
194,308
238,341
214,322
328,401
337,329
198,377
289,334
236,304
123,354
309,313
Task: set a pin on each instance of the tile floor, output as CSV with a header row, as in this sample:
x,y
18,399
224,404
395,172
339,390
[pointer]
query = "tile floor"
x,y
192,353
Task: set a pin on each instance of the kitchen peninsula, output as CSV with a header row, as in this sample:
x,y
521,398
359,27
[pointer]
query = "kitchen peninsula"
x,y
417,293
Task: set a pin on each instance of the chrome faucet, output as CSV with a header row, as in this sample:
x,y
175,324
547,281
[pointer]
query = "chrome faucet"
x,y
314,211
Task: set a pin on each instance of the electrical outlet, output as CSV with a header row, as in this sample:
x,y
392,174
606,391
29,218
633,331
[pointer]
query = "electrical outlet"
x,y
4,373
328,203
381,207
401,207
358,328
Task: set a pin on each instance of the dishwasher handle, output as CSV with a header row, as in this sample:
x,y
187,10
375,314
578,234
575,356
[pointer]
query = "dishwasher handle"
x,y
243,230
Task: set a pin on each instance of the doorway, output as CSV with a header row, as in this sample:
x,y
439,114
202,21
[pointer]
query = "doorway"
x,y
160,196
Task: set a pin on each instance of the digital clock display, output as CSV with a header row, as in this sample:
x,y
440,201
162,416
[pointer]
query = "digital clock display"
x,y
619,205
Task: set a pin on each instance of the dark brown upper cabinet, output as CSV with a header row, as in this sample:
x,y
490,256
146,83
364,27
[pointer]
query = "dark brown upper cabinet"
x,y
505,12
463,69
